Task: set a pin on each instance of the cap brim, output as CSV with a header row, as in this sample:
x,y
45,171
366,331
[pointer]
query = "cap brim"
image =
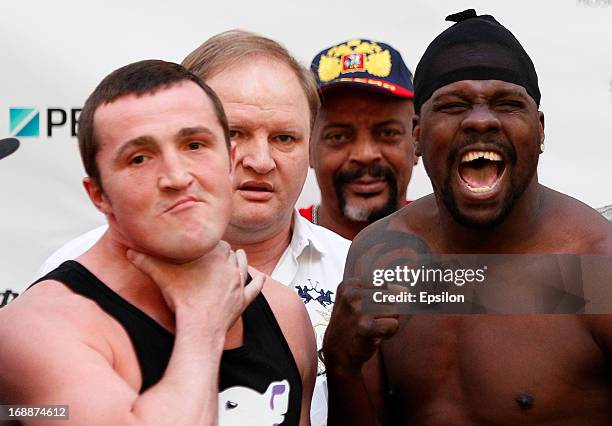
x,y
378,86
8,146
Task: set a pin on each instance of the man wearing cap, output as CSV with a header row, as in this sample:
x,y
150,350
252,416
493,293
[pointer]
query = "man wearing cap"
x,y
480,133
361,148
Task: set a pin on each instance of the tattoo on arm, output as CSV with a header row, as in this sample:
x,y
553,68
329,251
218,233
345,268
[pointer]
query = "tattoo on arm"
x,y
383,249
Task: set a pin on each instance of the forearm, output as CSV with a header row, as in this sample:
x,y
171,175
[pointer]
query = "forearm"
x,y
348,401
188,391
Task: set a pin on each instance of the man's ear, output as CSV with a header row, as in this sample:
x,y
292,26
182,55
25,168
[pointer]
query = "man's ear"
x,y
416,135
97,196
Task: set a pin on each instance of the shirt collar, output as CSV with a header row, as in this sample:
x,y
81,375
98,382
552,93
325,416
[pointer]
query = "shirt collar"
x,y
303,235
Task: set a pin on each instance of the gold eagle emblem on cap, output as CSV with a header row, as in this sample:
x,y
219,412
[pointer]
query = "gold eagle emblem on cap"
x,y
352,56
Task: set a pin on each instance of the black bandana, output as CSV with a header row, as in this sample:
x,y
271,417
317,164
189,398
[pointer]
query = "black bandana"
x,y
475,48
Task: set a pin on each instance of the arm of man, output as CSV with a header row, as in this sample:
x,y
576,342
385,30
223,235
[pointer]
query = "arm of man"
x,y
295,324
49,356
353,337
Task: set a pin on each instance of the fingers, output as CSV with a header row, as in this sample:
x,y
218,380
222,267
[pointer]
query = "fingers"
x,y
252,290
242,265
143,262
379,328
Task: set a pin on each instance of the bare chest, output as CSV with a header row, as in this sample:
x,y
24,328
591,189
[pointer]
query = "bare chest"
x,y
496,370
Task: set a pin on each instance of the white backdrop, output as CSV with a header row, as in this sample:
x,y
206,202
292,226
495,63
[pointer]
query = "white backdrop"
x,y
54,53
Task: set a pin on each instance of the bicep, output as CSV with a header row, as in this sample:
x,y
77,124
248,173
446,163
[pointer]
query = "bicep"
x,y
44,368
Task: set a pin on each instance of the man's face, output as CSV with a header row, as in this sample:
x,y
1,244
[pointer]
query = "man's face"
x,y
480,142
269,121
363,153
165,171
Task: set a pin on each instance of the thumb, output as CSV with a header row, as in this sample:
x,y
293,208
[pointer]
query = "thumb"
x,y
143,262
252,290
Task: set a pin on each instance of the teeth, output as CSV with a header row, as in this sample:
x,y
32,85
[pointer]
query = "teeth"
x,y
479,190
473,155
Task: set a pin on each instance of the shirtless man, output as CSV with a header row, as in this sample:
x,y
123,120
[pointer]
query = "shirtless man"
x,y
167,297
476,92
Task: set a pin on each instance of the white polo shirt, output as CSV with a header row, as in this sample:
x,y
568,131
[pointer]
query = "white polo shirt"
x,y
312,264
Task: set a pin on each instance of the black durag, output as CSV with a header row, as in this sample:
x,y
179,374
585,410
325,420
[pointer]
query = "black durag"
x,y
474,48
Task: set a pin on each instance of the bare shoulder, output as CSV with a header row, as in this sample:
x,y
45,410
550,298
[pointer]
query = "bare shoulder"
x,y
293,319
286,305
584,226
49,334
50,305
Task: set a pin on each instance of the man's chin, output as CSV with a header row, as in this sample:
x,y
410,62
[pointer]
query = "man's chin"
x,y
368,214
480,218
357,214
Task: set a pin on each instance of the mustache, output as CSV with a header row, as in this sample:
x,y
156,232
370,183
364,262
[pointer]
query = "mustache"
x,y
506,148
353,173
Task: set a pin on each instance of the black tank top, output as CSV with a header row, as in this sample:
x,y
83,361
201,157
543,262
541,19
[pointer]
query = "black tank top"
x,y
257,381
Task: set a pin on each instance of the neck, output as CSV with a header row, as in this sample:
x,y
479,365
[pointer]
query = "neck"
x,y
517,233
263,250
108,262
339,223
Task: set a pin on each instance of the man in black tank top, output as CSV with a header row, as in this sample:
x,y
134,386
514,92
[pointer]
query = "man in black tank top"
x,y
160,321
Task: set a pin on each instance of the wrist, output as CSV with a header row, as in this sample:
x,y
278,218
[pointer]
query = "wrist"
x,y
340,366
208,331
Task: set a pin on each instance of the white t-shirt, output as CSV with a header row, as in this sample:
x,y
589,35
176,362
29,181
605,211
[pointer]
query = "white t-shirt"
x,y
312,264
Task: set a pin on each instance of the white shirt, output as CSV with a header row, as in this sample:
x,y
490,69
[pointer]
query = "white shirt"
x,y
312,264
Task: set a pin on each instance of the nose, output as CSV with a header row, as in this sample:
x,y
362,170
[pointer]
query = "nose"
x,y
481,120
365,150
255,154
174,174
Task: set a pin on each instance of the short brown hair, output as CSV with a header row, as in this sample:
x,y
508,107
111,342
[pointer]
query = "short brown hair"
x,y
138,78
229,47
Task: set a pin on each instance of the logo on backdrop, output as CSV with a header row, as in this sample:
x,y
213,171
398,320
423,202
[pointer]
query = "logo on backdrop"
x,y
26,121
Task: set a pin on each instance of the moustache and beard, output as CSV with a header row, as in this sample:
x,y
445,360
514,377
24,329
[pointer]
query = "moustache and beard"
x,y
359,213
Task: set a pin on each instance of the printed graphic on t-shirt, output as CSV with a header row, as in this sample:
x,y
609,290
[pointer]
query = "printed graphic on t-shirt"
x,y
240,405
311,293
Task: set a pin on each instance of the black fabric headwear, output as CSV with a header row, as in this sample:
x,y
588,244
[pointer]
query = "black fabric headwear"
x,y
475,48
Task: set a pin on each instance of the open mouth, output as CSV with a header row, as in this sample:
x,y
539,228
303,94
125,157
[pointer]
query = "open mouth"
x,y
256,191
255,186
481,171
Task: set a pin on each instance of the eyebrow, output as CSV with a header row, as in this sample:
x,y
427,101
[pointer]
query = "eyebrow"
x,y
388,122
376,125
147,140
140,141
335,125
188,131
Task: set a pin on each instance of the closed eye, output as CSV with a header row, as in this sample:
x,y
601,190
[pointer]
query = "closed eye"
x,y
450,107
510,104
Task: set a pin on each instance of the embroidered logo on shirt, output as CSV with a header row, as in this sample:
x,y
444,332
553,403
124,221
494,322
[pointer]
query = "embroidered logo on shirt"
x,y
309,292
